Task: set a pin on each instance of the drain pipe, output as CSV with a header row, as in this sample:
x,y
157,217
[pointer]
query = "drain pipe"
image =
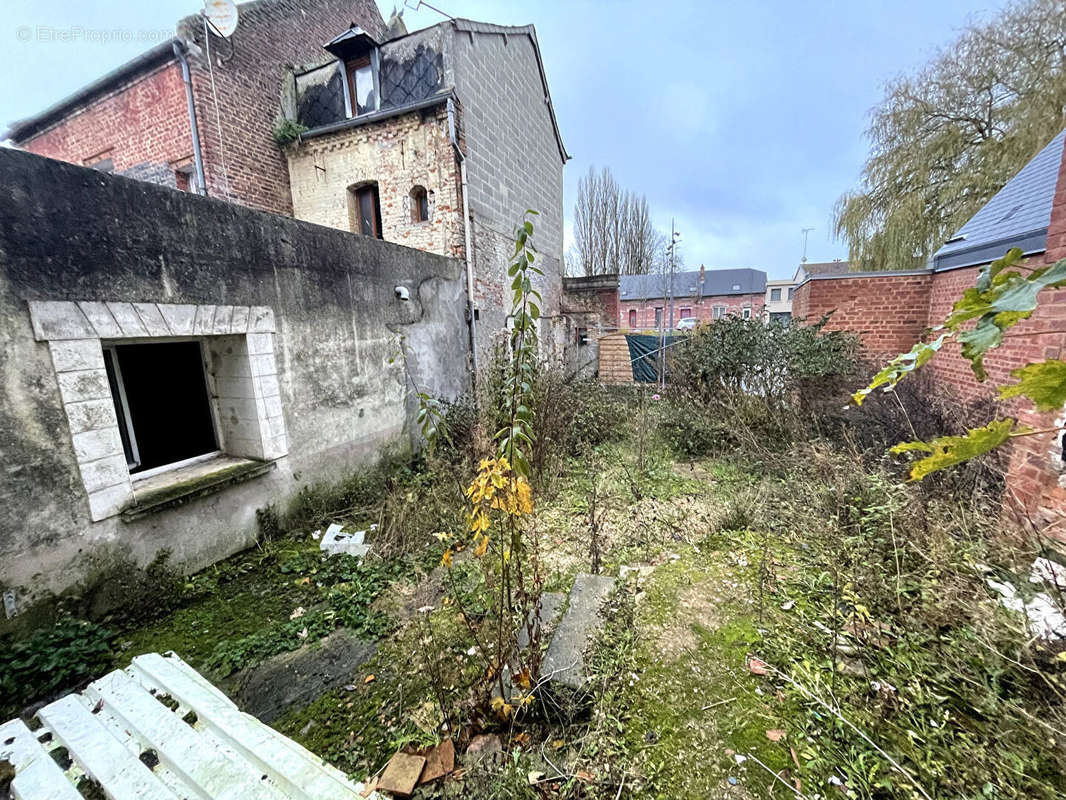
x,y
197,156
466,233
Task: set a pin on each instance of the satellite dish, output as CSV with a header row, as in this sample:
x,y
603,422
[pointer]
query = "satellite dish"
x,y
222,14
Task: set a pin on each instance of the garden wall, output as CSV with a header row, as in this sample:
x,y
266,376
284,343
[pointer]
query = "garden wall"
x,y
892,311
297,324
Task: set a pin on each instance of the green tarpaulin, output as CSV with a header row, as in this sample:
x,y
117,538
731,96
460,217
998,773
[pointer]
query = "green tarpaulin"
x,y
644,355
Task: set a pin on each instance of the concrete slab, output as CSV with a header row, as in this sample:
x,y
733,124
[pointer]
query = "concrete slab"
x,y
295,679
565,659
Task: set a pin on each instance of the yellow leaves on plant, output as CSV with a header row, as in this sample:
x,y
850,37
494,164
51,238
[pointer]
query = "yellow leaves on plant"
x,y
502,708
947,451
446,559
482,546
478,520
523,679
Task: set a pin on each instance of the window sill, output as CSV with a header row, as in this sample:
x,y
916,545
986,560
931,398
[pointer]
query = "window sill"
x,y
177,487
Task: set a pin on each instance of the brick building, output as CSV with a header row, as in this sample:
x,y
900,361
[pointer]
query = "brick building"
x,y
893,310
644,300
390,133
399,133
136,120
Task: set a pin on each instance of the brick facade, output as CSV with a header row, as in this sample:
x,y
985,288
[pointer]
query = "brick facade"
x,y
142,127
702,309
399,154
889,312
143,124
590,307
892,312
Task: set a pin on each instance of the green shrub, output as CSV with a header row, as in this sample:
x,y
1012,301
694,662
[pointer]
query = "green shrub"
x,y
51,659
772,361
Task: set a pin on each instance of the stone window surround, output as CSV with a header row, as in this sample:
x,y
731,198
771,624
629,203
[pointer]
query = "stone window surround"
x,y
242,380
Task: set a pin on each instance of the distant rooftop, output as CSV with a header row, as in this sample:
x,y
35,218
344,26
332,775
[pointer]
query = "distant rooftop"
x,y
687,284
1017,216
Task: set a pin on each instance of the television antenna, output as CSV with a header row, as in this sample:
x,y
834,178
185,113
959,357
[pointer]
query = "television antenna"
x,y
805,231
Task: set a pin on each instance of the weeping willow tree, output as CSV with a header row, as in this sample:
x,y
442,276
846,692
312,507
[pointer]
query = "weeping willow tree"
x,y
947,138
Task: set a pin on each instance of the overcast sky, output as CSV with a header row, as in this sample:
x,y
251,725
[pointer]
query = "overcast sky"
x,y
742,120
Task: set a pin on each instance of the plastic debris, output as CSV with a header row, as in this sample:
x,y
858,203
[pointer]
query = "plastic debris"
x,y
335,541
1045,618
1046,571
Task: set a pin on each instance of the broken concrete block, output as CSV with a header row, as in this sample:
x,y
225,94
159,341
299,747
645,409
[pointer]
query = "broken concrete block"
x,y
337,541
295,679
401,774
565,659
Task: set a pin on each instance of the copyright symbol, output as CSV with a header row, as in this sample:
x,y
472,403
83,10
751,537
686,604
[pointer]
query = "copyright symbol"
x,y
24,33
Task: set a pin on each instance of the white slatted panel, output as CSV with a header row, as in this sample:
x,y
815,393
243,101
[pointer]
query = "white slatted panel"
x,y
37,775
100,754
301,774
222,755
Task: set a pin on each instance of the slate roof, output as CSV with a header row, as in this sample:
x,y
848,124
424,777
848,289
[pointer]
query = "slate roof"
x,y
687,284
1017,216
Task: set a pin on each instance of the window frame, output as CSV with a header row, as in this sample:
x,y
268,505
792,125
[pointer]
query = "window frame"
x,y
355,216
242,380
684,313
633,318
775,294
719,312
350,69
125,419
419,197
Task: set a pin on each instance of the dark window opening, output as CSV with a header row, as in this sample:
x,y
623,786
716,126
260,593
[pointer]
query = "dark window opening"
x,y
790,293
160,394
185,179
364,210
582,337
477,314
419,204
659,317
361,86
632,318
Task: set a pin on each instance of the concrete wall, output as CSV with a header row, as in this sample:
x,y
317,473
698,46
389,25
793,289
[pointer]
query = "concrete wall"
x,y
73,234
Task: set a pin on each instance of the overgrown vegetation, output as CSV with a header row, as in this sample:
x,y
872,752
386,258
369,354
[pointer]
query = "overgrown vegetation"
x,y
794,617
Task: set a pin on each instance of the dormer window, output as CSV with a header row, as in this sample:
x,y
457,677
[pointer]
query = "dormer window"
x,y
358,52
361,86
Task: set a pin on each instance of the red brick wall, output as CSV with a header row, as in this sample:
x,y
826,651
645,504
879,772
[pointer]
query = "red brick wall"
x,y
891,313
144,124
248,85
888,312
702,310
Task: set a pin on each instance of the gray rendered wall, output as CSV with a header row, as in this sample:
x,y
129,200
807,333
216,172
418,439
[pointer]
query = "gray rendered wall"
x,y
70,233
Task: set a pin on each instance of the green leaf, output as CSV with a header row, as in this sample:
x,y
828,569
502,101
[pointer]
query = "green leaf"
x,y
901,366
1043,382
1001,300
948,451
